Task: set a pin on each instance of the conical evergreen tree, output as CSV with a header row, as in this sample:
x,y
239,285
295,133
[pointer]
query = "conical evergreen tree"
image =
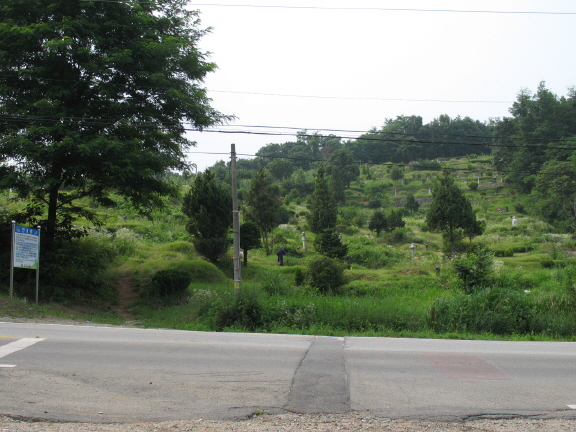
x,y
322,207
450,211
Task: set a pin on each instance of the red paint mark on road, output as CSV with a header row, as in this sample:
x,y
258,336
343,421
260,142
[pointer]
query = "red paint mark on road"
x,y
465,366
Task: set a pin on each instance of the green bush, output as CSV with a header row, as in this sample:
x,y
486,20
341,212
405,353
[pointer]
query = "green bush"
x,y
328,243
299,277
504,252
492,310
170,283
325,274
275,283
474,269
243,310
366,253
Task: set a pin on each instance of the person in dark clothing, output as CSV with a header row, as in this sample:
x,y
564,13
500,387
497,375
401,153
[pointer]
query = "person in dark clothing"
x,y
280,253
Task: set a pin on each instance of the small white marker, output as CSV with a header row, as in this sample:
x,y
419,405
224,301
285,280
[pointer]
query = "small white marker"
x,y
7,366
572,407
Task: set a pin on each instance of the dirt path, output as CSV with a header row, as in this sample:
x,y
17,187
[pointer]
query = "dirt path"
x,y
126,296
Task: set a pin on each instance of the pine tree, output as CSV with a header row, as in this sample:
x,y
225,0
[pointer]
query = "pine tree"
x,y
322,207
378,222
208,206
411,204
262,204
329,244
451,212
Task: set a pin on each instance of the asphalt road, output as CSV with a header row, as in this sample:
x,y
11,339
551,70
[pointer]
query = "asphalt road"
x,y
112,374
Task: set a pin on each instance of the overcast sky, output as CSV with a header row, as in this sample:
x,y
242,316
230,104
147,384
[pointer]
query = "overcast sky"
x,y
335,65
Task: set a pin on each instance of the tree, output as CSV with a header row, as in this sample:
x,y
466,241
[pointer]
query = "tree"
x,y
263,204
450,211
556,193
539,121
208,206
249,238
412,205
323,211
395,220
329,244
342,170
280,169
94,96
396,174
378,222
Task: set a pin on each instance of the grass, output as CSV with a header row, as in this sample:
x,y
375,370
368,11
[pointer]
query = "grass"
x,y
19,308
387,292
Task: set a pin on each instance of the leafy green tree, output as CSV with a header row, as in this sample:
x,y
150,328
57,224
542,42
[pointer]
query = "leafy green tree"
x,y
450,211
412,205
405,139
208,206
396,174
322,207
530,138
556,193
249,238
280,169
329,244
342,170
474,269
95,97
378,222
262,204
326,274
395,220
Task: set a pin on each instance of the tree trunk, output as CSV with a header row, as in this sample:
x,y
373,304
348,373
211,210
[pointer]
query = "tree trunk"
x,y
49,231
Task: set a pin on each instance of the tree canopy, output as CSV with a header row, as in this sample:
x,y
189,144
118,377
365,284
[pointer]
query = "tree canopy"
x,y
539,130
95,97
208,205
322,207
262,204
451,212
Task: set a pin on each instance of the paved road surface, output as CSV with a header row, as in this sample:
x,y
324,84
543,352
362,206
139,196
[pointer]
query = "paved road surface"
x,y
112,374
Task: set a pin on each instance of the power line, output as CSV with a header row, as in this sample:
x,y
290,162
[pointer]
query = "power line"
x,y
344,135
356,8
386,9
359,98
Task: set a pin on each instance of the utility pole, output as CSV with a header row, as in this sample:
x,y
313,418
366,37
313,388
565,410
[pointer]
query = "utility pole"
x,y
235,222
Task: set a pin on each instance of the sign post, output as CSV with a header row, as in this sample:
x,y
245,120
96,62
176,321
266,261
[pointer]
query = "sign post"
x,y
25,253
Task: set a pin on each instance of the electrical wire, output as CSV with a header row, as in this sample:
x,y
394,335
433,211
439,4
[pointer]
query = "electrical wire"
x,y
350,8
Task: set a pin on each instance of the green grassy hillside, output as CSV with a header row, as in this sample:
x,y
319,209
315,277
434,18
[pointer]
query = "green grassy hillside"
x,y
527,288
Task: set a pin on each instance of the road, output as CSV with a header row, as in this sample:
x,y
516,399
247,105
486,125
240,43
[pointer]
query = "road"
x,y
114,374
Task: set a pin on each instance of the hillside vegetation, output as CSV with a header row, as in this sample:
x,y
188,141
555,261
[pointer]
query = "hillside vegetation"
x,y
526,285
454,228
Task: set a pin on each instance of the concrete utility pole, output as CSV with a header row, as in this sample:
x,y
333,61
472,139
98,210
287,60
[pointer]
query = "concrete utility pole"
x,y
235,222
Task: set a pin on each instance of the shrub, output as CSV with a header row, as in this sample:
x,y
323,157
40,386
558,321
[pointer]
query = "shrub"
x,y
519,208
374,203
275,283
170,283
364,252
493,310
328,243
325,274
474,269
299,277
242,310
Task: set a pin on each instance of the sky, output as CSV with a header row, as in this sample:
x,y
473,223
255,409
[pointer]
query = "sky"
x,y
344,67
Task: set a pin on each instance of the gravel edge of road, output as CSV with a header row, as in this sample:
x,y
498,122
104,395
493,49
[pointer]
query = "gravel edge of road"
x,y
294,422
